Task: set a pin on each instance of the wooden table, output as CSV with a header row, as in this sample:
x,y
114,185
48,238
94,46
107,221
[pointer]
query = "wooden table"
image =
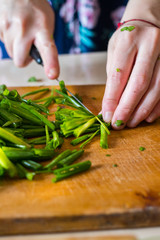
x,y
91,70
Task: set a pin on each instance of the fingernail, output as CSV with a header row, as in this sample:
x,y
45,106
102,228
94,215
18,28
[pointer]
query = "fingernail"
x,y
108,116
52,73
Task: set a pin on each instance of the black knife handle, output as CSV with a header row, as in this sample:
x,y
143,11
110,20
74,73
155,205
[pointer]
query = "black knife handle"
x,y
35,55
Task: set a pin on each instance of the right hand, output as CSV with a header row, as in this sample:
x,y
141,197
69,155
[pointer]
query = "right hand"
x,y
23,23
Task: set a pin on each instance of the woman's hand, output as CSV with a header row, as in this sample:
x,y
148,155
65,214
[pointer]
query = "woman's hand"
x,y
23,23
132,91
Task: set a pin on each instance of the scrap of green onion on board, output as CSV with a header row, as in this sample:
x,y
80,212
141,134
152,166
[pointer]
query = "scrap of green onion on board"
x,y
30,142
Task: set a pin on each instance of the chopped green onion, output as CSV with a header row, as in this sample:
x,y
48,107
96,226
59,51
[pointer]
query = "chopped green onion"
x,y
68,171
35,92
7,164
32,79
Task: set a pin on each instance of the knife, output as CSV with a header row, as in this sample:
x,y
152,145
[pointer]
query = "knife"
x,y
36,56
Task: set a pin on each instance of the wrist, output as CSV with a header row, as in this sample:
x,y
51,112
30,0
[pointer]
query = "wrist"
x,y
143,9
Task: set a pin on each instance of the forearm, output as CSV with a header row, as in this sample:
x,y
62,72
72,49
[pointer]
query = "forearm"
x,y
143,9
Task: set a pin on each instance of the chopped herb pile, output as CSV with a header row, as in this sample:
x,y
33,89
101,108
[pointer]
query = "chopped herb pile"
x,y
24,124
130,28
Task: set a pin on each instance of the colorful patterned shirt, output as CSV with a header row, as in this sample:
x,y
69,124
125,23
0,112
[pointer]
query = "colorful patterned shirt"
x,y
83,25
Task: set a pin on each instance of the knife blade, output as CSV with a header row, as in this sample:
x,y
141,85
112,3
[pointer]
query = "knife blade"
x,y
34,53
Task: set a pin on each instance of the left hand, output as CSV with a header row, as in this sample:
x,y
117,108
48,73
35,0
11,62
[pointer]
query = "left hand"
x,y
133,93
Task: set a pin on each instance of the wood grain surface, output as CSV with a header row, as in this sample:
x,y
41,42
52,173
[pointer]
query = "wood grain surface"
x,y
105,197
58,237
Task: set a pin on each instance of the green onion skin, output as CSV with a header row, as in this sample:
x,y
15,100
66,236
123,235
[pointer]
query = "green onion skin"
x,y
31,165
4,134
70,159
62,87
29,133
103,137
81,129
39,115
15,121
78,140
17,154
15,108
35,92
55,161
12,95
70,99
68,171
37,140
2,171
3,87
23,173
48,102
104,124
38,107
89,139
7,164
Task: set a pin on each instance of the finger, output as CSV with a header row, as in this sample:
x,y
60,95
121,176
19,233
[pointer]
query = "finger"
x,y
21,49
154,114
137,85
8,42
149,100
119,66
48,52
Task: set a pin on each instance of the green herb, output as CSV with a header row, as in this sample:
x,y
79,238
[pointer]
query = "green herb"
x,y
115,165
32,79
130,28
118,70
142,149
119,123
108,155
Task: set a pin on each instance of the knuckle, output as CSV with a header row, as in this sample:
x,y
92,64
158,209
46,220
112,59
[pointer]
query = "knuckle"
x,y
114,78
4,24
144,112
110,103
126,111
141,84
128,39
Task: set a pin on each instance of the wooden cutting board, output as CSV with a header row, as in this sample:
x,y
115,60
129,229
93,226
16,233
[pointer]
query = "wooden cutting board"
x,y
105,197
